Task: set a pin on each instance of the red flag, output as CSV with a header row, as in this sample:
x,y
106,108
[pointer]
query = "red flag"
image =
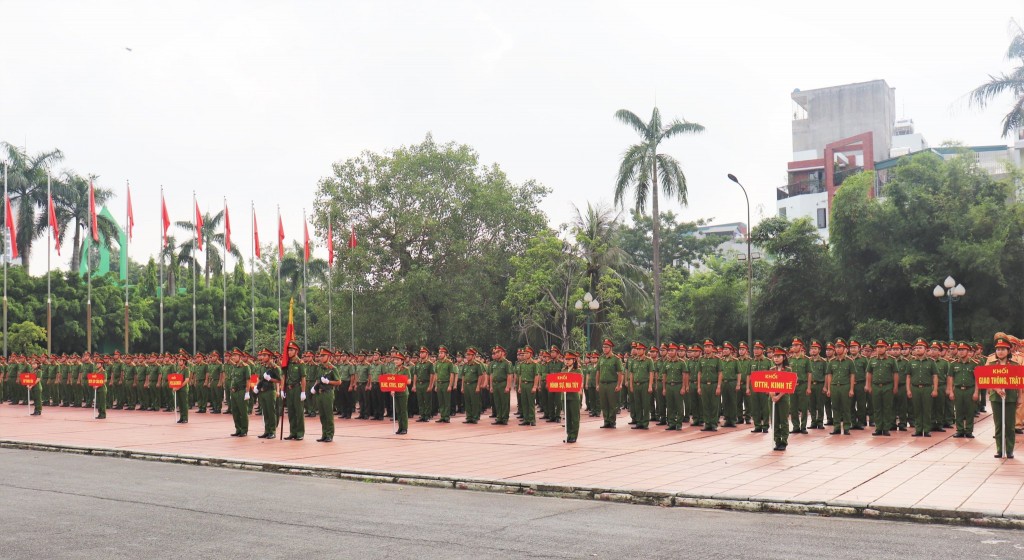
x,y
12,230
92,213
289,334
256,235
164,217
305,240
227,229
330,246
280,238
54,227
352,239
131,215
199,227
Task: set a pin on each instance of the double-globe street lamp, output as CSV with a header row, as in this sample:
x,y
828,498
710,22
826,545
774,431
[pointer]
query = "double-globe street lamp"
x,y
949,295
750,267
590,303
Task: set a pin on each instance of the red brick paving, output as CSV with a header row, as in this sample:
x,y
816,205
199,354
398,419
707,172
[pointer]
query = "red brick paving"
x,y
939,473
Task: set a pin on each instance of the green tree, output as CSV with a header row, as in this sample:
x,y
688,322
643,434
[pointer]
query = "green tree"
x,y
641,169
71,199
1012,83
680,244
213,245
26,185
26,338
541,292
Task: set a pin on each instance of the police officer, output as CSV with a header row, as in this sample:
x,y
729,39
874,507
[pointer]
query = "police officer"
x,y
709,385
572,400
962,392
882,384
609,378
780,420
922,386
840,381
1004,424
401,397
472,371
327,380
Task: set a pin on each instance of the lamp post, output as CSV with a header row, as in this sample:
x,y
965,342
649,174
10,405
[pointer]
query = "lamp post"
x,y
952,292
590,303
750,267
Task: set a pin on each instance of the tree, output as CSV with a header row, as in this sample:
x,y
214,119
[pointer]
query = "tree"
x,y
27,178
26,338
540,293
641,168
596,236
71,199
213,237
680,244
1013,83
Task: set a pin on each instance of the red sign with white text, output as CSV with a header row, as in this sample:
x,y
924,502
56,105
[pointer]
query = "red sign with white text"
x,y
773,381
27,379
999,377
253,380
95,380
175,381
393,383
565,382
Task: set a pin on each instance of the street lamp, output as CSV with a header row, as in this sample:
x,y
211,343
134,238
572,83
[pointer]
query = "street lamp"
x,y
950,294
591,304
750,267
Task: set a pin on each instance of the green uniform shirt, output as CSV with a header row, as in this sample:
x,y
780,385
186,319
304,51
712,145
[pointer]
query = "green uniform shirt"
x,y
640,369
444,370
881,370
529,371
962,374
422,371
860,369
471,372
819,367
673,371
608,369
730,370
840,370
922,372
500,370
362,372
709,368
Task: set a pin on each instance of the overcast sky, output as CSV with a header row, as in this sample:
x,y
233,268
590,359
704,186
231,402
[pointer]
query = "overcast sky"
x,y
254,100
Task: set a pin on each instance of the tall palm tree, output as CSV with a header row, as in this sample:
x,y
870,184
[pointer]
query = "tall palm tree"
x,y
291,270
213,237
26,185
641,168
595,232
171,261
71,199
1012,82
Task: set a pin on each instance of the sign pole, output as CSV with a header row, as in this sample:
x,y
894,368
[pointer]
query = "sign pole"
x,y
772,420
95,395
1003,420
28,393
175,403
565,407
394,405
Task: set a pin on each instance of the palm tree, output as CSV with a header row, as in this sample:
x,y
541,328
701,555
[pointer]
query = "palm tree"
x,y
171,261
595,233
1012,82
26,185
640,170
71,199
213,236
291,270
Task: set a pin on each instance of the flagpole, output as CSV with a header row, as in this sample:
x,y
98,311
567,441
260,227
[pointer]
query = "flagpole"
x,y
88,275
49,308
163,245
330,281
224,273
8,243
252,275
127,226
305,233
280,340
195,264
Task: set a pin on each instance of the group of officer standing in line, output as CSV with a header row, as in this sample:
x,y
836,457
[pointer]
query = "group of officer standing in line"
x,y
928,387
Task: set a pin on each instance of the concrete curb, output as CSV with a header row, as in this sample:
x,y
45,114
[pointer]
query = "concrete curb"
x,y
992,519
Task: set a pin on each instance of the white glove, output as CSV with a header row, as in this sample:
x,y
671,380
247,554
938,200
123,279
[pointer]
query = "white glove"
x,y
282,394
255,390
266,376
312,391
324,380
302,396
245,397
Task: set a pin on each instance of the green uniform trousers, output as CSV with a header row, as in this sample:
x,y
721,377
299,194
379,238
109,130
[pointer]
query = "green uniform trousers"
x,y
761,410
182,402
325,406
964,406
817,404
640,405
502,401
529,411
101,401
238,407
444,402
268,406
922,402
1002,424
572,415
609,401
799,404
674,405
881,407
859,412
296,410
780,422
402,409
423,399
842,406
709,403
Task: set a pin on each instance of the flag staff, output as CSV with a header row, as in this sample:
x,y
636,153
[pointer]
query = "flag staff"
x,y
128,219
330,279
280,256
49,308
305,259
224,273
88,269
7,227
252,274
195,264
163,245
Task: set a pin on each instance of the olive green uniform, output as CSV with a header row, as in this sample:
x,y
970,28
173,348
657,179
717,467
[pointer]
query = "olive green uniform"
x,y
961,375
674,372
640,370
883,376
841,370
609,368
923,379
444,370
710,380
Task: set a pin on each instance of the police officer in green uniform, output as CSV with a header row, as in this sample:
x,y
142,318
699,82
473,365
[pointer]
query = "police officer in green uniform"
x,y
500,380
360,383
609,378
472,371
182,398
1004,422
730,385
780,421
692,402
236,378
840,381
709,385
922,386
962,392
294,393
401,411
267,391
423,383
554,408
444,382
901,404
744,364
760,403
882,384
800,400
327,379
641,381
572,400
529,378
675,378
859,403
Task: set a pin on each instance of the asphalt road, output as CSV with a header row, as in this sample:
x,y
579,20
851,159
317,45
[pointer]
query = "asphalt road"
x,y
68,506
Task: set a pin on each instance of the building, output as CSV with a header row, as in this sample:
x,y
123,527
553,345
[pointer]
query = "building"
x,y
837,131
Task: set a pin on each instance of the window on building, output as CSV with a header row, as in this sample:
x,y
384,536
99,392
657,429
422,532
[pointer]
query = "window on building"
x,y
782,212
822,218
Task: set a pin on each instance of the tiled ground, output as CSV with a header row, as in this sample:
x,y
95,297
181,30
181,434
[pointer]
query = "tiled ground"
x,y
937,473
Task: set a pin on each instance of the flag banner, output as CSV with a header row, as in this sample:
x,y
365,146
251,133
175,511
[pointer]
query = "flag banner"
x,y
199,227
280,238
164,217
352,239
92,213
773,381
305,235
54,227
12,230
567,382
131,215
289,334
330,246
227,230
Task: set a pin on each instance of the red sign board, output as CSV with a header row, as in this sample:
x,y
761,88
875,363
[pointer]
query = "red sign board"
x,y
175,381
999,377
95,380
27,379
565,382
393,383
253,380
773,381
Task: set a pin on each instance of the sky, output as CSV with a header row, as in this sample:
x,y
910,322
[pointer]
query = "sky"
x,y
253,101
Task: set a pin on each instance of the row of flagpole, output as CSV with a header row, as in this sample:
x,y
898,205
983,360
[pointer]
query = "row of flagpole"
x,y
10,232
